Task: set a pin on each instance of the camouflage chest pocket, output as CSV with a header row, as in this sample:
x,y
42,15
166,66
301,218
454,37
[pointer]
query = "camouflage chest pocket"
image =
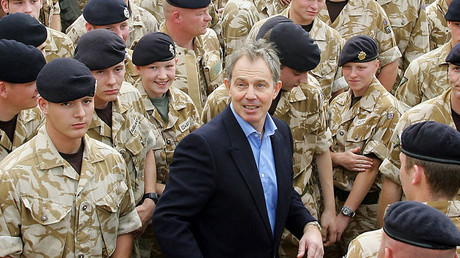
x,y
45,223
107,210
134,158
325,70
358,135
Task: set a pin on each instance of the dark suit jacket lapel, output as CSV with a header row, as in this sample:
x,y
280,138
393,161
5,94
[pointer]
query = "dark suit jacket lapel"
x,y
243,157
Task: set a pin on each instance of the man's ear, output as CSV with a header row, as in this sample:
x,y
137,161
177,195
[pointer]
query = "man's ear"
x,y
89,27
418,175
43,104
176,16
5,6
227,85
3,90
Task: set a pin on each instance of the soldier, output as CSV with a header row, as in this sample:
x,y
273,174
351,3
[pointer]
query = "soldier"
x,y
409,23
25,29
300,104
427,76
119,119
361,121
126,19
328,40
437,24
50,14
58,45
170,110
430,173
443,109
20,117
199,66
63,193
366,17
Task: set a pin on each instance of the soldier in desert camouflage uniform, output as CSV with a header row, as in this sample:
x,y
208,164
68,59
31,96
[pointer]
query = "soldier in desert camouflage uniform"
x,y
409,23
20,118
427,76
368,18
300,104
58,45
50,14
64,194
437,24
199,66
442,109
442,180
361,121
328,40
119,119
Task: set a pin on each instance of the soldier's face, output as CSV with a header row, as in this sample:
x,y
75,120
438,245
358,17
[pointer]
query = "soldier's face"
x,y
359,75
31,7
157,77
455,31
194,21
454,78
19,95
252,91
303,12
121,29
292,78
68,120
109,82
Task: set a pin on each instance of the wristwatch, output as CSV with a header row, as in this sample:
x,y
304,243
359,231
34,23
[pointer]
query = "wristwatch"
x,y
153,196
346,211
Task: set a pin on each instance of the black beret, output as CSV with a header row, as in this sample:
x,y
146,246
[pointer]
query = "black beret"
x,y
189,4
23,28
154,47
270,23
417,224
453,12
65,79
104,12
431,141
359,49
454,55
19,63
100,49
295,47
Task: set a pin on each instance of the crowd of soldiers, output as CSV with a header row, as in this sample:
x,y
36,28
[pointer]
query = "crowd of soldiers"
x,y
92,110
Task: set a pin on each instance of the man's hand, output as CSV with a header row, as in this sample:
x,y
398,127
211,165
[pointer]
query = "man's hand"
x,y
145,212
342,224
312,242
329,232
353,161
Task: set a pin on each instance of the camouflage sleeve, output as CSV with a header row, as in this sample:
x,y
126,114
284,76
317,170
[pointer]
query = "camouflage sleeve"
x,y
418,41
76,29
324,136
10,217
385,38
355,249
59,45
212,61
195,117
409,91
216,103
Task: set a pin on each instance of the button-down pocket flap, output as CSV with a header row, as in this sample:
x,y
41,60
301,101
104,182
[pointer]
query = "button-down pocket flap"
x,y
134,146
46,212
111,201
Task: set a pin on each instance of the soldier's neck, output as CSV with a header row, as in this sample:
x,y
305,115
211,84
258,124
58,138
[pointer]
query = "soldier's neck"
x,y
181,39
455,103
8,112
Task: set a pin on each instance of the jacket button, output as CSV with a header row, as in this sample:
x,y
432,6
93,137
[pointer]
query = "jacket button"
x,y
44,218
81,256
168,141
84,207
341,133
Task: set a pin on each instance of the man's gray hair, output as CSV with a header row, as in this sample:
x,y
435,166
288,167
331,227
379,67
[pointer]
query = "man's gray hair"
x,y
253,51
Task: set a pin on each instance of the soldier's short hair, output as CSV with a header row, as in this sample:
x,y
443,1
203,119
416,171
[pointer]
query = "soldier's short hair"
x,y
255,50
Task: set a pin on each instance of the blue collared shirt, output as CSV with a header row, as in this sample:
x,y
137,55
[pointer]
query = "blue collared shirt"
x,y
263,155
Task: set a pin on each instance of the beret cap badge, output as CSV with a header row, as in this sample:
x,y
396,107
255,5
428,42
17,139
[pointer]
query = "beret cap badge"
x,y
171,49
361,55
126,13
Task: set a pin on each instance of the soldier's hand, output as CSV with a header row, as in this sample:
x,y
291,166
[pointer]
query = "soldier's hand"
x,y
342,224
328,224
352,161
145,212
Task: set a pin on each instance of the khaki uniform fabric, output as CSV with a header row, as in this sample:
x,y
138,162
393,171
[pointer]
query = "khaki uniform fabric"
x,y
198,71
49,210
437,24
140,22
49,8
58,45
369,124
183,118
437,109
367,245
368,18
409,23
131,134
426,77
27,124
330,43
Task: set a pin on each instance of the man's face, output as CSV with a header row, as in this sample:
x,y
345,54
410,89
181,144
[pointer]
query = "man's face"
x,y
21,95
454,78
292,78
31,7
359,75
252,90
109,82
157,77
455,31
194,21
68,120
303,12
121,29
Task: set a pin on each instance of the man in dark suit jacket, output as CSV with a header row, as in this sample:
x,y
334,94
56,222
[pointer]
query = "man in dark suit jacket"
x,y
229,192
